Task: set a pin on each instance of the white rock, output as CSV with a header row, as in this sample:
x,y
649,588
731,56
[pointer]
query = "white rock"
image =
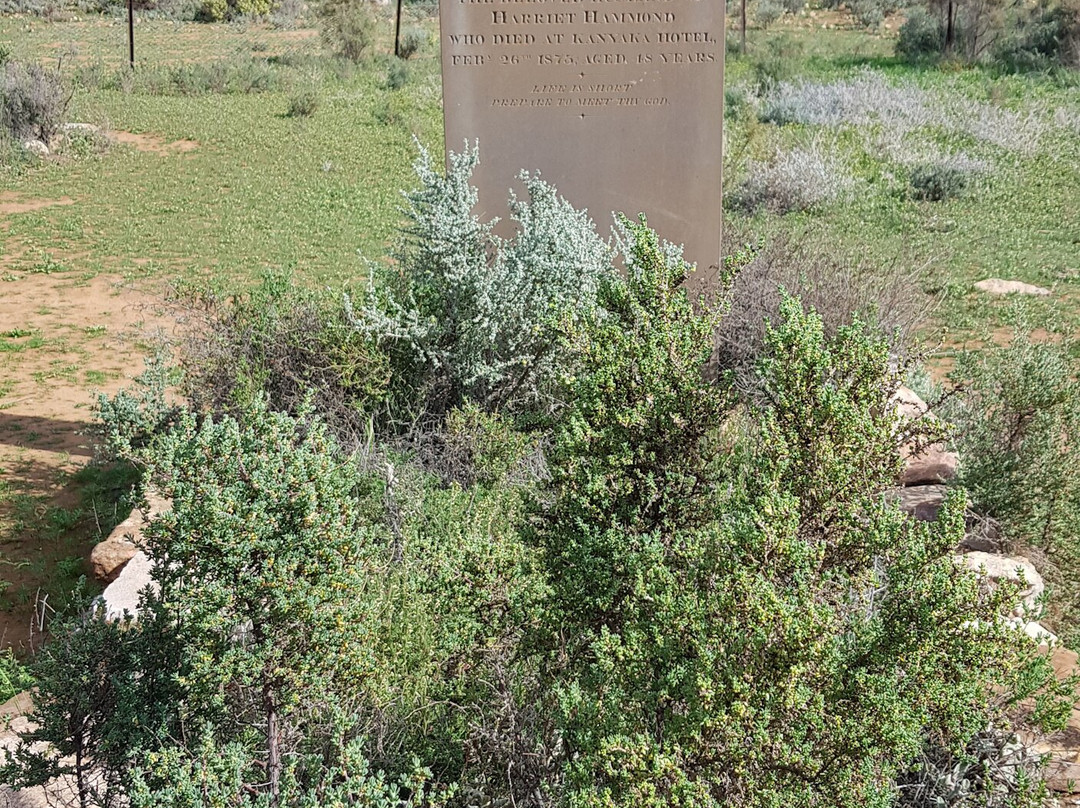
x,y
1040,634
36,147
88,128
122,595
997,286
995,568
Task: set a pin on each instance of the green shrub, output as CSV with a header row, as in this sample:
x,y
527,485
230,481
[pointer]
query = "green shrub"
x,y
412,40
1041,36
33,100
766,12
949,178
921,37
1018,426
349,27
397,75
131,420
745,621
284,343
303,103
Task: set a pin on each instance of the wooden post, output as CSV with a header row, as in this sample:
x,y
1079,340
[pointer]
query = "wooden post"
x,y
397,30
742,29
131,33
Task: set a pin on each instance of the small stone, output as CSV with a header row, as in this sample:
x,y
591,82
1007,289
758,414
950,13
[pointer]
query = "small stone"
x,y
110,556
36,147
934,464
921,501
997,286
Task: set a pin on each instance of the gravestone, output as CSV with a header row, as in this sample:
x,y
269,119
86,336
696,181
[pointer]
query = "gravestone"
x,y
617,103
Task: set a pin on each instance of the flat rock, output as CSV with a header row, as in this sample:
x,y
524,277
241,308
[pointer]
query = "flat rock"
x,y
121,597
921,501
37,147
996,568
108,558
997,286
933,464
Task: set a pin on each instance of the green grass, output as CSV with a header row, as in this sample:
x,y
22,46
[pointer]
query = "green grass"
x,y
260,190
1021,223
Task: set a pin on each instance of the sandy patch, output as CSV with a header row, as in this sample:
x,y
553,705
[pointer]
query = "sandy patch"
x,y
61,340
153,143
12,203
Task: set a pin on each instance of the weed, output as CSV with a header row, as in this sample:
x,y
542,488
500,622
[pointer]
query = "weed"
x,y
413,39
869,99
397,75
33,100
797,180
303,103
46,265
945,179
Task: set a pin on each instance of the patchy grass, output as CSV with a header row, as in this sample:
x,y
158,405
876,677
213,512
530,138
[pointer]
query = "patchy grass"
x,y
1018,217
223,185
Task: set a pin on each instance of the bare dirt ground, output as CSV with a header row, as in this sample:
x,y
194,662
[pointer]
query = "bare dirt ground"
x,y
63,337
153,143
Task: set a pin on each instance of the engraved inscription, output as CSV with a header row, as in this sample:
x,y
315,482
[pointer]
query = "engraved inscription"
x,y
576,88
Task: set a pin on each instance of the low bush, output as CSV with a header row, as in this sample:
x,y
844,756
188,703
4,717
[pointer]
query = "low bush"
x,y
238,75
413,40
397,74
890,298
734,623
1042,36
766,12
349,27
948,178
1017,417
798,180
922,37
33,100
303,103
466,316
220,10
899,109
285,344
